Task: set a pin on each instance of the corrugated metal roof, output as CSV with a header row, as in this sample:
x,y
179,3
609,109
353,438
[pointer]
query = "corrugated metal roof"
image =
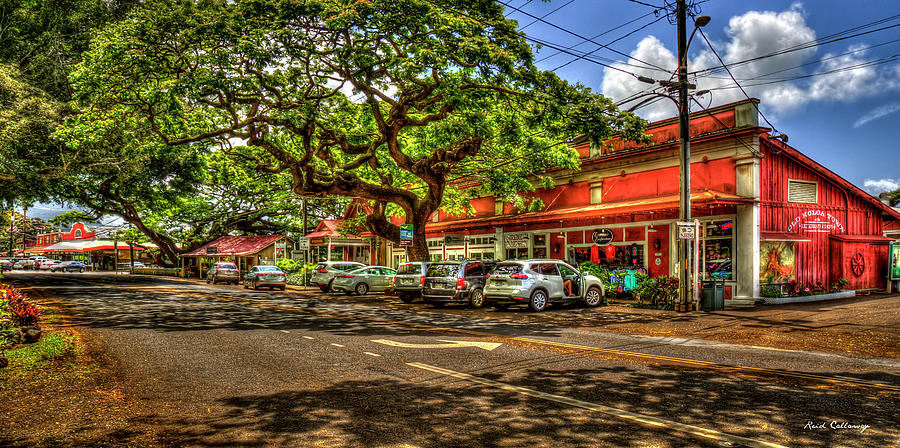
x,y
237,245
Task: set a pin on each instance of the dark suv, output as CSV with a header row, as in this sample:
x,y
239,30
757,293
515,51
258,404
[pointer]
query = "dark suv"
x,y
410,280
456,282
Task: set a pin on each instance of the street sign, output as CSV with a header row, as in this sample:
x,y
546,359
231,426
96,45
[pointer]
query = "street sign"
x,y
303,243
406,234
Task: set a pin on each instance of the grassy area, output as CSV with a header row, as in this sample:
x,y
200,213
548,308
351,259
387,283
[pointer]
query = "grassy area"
x,y
56,345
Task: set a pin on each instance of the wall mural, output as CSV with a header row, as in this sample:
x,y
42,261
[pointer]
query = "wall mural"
x,y
777,262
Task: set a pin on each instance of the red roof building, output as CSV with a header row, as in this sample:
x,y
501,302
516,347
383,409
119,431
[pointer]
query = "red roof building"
x,y
768,214
245,251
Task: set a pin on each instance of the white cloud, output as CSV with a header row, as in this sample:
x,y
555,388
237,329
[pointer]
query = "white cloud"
x,y
877,113
753,34
876,186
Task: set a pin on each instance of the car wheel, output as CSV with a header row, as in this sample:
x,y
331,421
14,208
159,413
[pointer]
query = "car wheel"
x,y
81,270
362,289
406,298
593,297
476,298
255,286
538,301
328,286
501,306
246,285
283,288
323,288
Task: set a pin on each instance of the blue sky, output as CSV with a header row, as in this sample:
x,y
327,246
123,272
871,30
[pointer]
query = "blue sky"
x,y
848,120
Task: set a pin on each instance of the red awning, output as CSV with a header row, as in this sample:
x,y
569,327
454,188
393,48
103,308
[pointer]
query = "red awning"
x,y
778,236
659,203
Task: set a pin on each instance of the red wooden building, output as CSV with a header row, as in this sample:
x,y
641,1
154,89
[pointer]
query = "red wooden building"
x,y
768,213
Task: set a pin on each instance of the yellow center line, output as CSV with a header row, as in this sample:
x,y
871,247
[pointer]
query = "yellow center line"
x,y
525,341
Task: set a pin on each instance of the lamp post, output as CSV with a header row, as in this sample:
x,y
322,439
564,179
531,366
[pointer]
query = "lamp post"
x,y
684,110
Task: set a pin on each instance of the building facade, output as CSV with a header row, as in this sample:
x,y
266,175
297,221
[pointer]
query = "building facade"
x,y
768,214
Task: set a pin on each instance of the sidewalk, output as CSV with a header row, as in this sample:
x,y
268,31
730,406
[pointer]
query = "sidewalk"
x,y
868,326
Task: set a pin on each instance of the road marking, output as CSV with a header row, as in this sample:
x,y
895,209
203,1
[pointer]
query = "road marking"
x,y
308,337
284,331
615,412
489,346
722,368
336,345
372,354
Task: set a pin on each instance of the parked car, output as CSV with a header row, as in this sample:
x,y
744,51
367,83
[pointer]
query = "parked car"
x,y
68,266
5,265
36,262
46,264
456,282
363,280
410,280
537,283
325,271
20,264
269,276
223,271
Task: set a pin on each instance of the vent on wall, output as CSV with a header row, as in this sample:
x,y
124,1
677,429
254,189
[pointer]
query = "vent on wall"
x,y
802,191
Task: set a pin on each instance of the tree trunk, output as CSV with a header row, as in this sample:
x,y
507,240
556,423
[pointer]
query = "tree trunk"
x,y
419,249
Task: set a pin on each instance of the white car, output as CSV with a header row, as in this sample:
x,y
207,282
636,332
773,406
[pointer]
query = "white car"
x,y
46,264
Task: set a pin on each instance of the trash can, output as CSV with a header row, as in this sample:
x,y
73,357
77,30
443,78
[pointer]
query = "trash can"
x,y
713,295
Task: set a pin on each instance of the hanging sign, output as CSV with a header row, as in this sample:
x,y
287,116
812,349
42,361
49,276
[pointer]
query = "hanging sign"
x,y
303,243
516,240
602,236
816,221
686,230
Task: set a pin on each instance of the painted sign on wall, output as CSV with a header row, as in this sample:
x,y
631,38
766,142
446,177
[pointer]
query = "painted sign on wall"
x,y
516,240
816,221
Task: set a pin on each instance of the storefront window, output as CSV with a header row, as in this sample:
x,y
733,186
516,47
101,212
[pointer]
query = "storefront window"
x,y
630,256
519,253
777,263
716,249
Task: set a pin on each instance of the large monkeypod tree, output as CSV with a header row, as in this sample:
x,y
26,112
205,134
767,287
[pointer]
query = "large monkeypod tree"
x,y
398,102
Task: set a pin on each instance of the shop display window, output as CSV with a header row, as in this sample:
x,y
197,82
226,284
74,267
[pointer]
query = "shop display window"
x,y
777,263
717,250
520,253
629,256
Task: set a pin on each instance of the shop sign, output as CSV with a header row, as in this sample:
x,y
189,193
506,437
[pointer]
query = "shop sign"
x,y
686,230
816,221
895,262
516,240
602,236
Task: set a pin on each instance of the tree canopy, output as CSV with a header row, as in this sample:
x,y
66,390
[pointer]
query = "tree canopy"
x,y
412,104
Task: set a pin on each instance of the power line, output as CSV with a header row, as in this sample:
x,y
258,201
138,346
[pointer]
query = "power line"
x,y
763,76
805,45
703,35
578,35
612,42
598,35
545,15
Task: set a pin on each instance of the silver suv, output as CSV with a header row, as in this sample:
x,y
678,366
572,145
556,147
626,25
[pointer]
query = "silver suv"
x,y
324,272
410,280
537,283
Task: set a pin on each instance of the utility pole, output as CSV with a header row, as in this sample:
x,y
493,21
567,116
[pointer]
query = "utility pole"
x,y
684,248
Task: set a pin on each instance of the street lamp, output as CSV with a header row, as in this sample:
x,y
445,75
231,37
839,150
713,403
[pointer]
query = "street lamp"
x,y
684,251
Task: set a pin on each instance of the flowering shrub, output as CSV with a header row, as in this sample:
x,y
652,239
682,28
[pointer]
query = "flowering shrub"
x,y
19,309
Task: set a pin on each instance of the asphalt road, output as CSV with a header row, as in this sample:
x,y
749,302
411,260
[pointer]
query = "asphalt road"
x,y
222,366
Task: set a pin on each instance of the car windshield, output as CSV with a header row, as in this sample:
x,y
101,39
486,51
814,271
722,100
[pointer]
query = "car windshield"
x,y
227,266
412,268
508,269
443,270
321,266
268,268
